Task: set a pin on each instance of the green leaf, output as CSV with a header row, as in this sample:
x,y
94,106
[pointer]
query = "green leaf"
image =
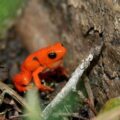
x,y
9,10
111,104
69,104
110,111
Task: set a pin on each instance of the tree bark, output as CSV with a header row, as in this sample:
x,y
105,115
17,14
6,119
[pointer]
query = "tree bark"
x,y
80,25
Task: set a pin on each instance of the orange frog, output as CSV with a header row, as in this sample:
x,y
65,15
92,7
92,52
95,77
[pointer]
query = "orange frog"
x,y
39,61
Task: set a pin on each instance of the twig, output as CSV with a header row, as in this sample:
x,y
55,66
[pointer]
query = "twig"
x,y
19,116
89,90
91,108
71,84
87,102
90,95
5,89
75,115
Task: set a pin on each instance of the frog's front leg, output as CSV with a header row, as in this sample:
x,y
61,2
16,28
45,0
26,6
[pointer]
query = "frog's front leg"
x,y
37,80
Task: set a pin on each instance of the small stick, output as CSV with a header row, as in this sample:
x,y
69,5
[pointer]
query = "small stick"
x,y
89,90
76,115
20,116
5,89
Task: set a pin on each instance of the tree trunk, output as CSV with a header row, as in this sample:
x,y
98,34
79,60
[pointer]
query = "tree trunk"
x,y
80,25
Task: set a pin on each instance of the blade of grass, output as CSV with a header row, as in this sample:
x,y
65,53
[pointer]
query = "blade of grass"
x,y
34,112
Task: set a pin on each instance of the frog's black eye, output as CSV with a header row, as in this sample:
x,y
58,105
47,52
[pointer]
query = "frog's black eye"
x,y
52,55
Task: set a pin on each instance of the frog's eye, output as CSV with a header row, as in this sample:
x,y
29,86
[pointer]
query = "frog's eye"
x,y
52,55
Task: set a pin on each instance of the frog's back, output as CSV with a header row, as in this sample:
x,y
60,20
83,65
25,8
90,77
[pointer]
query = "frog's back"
x,y
30,63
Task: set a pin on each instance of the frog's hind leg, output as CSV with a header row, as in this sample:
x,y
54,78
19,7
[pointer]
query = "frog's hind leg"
x,y
21,80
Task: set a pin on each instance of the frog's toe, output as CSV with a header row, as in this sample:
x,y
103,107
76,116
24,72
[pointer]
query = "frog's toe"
x,y
46,88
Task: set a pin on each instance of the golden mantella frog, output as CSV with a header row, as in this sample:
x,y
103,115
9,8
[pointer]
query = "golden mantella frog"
x,y
37,62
